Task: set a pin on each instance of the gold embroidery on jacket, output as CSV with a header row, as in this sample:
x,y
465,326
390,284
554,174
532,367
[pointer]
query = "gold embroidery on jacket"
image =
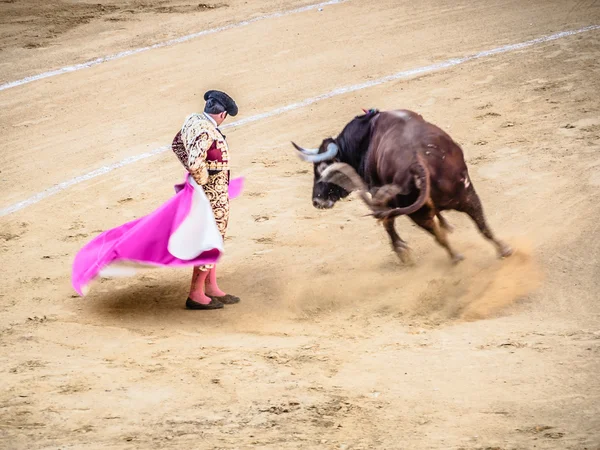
x,y
197,136
217,192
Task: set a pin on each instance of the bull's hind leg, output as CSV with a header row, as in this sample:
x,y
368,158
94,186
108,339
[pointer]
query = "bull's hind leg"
x,y
398,244
473,207
425,218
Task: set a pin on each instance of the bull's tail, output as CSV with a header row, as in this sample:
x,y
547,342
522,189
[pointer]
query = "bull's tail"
x,y
346,177
423,183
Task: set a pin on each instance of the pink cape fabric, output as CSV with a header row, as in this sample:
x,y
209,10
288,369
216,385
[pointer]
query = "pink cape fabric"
x,y
145,240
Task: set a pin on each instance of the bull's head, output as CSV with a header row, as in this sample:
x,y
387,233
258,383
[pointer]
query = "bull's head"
x,y
324,195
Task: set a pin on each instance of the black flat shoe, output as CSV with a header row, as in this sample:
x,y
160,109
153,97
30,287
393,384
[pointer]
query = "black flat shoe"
x,y
227,299
214,304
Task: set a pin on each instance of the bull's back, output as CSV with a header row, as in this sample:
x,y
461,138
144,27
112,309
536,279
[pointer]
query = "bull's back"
x,y
402,138
392,151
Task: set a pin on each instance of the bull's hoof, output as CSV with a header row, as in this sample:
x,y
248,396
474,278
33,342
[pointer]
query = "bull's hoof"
x,y
407,259
505,251
456,258
405,255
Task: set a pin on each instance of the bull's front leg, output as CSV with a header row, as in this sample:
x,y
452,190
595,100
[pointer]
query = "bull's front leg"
x,y
398,244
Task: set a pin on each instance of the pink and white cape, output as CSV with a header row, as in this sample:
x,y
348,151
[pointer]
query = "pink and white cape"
x,y
180,233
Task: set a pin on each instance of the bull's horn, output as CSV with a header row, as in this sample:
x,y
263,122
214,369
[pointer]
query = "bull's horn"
x,y
305,151
314,156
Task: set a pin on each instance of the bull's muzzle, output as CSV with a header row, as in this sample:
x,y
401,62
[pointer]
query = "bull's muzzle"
x,y
321,203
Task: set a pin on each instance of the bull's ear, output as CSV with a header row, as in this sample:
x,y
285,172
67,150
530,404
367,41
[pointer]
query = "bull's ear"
x,y
321,167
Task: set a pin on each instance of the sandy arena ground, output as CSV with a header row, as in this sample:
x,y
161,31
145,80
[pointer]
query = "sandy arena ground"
x,y
336,345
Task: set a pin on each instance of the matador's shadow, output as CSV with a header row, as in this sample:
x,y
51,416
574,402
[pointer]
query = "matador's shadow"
x,y
160,298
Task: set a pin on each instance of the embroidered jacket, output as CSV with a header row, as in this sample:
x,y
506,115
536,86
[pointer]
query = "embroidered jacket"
x,y
201,148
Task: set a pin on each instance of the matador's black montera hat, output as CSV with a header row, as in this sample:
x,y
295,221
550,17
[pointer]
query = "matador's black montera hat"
x,y
225,100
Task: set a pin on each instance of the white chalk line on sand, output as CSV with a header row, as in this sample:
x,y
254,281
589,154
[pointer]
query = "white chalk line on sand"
x,y
309,101
168,43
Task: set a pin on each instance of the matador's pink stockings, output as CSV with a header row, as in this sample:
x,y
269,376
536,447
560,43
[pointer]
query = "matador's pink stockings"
x,y
212,288
197,288
204,283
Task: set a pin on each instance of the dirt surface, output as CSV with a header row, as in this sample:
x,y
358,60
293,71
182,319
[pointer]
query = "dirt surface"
x,y
336,344
33,24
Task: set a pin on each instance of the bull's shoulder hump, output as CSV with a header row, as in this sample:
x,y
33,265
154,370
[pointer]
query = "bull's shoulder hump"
x,y
404,114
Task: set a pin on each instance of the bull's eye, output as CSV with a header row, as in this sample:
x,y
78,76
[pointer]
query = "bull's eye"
x,y
321,167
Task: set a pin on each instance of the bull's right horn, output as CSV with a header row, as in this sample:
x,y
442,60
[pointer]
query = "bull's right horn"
x,y
305,151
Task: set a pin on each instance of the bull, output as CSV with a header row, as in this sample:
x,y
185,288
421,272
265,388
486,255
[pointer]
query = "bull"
x,y
400,164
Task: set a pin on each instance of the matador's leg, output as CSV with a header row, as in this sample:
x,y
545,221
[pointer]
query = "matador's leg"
x,y
197,299
217,192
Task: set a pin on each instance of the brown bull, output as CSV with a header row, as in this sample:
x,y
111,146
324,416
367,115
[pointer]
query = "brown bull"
x,y
401,165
